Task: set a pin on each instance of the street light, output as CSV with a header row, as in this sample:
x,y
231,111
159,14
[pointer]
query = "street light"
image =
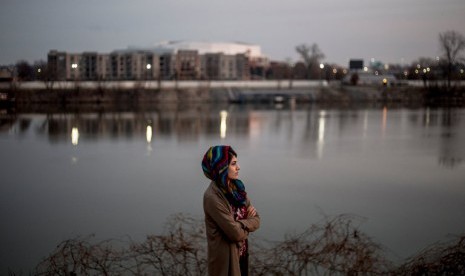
x,y
322,66
148,66
74,66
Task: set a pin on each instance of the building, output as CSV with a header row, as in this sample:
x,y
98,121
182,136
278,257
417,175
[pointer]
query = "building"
x,y
227,48
95,66
165,61
7,73
187,65
220,66
218,60
57,65
137,65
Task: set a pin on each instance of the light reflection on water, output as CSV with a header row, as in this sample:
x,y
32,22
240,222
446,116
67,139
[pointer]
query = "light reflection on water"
x,y
124,173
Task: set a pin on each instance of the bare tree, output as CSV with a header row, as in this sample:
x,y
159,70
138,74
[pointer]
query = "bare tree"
x,y
311,56
25,71
452,43
48,76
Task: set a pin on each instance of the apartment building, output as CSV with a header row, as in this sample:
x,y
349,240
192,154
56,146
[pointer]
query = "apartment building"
x,y
167,66
220,66
168,61
187,66
95,66
57,63
242,67
133,66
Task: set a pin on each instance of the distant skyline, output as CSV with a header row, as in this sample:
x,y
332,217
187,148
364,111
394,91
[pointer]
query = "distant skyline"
x,y
390,31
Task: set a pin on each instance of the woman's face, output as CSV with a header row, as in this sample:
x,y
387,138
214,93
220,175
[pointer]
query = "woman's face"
x,y
233,169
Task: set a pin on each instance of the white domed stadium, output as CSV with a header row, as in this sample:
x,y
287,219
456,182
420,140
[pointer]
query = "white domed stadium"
x,y
228,48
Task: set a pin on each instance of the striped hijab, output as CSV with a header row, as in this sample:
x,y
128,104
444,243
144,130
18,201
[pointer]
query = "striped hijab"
x,y
215,165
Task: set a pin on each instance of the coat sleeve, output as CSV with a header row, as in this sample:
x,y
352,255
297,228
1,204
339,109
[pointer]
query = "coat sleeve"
x,y
253,223
221,214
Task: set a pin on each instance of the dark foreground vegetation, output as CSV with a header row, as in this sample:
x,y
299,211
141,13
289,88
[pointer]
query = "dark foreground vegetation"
x,y
336,246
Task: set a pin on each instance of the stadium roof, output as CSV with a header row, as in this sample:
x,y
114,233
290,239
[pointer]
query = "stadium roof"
x,y
229,48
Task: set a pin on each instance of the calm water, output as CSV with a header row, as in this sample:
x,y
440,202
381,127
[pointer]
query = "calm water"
x,y
123,173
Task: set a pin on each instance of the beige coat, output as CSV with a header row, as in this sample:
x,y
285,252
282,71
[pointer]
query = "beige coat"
x,y
224,234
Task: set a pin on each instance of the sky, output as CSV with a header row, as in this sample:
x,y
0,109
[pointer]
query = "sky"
x,y
395,31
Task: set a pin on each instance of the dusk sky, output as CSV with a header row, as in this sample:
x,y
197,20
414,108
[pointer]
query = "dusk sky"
x,y
390,31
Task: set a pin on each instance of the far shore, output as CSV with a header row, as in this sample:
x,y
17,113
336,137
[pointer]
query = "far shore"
x,y
255,91
213,84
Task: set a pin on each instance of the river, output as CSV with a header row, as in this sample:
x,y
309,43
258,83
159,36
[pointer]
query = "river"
x,y
118,173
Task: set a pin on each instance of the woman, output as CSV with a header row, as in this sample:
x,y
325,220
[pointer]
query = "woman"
x,y
229,216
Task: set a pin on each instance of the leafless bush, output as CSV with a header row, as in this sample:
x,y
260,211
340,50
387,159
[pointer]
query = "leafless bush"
x,y
80,257
181,252
336,246
438,259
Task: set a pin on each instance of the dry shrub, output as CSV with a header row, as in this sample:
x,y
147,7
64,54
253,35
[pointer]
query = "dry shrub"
x,y
439,259
181,252
335,246
79,257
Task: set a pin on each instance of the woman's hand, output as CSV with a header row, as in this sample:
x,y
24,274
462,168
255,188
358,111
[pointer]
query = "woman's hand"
x,y
251,211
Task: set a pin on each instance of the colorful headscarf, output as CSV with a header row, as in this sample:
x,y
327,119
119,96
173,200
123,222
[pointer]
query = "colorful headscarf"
x,y
215,165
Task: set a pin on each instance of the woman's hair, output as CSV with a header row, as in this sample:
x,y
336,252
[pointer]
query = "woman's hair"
x,y
231,154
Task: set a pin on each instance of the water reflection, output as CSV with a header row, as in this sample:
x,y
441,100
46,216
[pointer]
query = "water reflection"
x,y
223,116
384,122
149,134
452,150
74,136
305,129
321,133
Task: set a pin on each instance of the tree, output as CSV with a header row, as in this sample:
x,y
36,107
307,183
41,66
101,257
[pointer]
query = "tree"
x,y
311,56
424,68
25,71
452,43
47,74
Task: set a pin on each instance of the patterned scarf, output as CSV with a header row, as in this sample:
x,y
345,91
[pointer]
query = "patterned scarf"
x,y
215,165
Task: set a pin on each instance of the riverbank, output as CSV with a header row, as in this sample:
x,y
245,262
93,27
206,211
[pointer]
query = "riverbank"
x,y
281,92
